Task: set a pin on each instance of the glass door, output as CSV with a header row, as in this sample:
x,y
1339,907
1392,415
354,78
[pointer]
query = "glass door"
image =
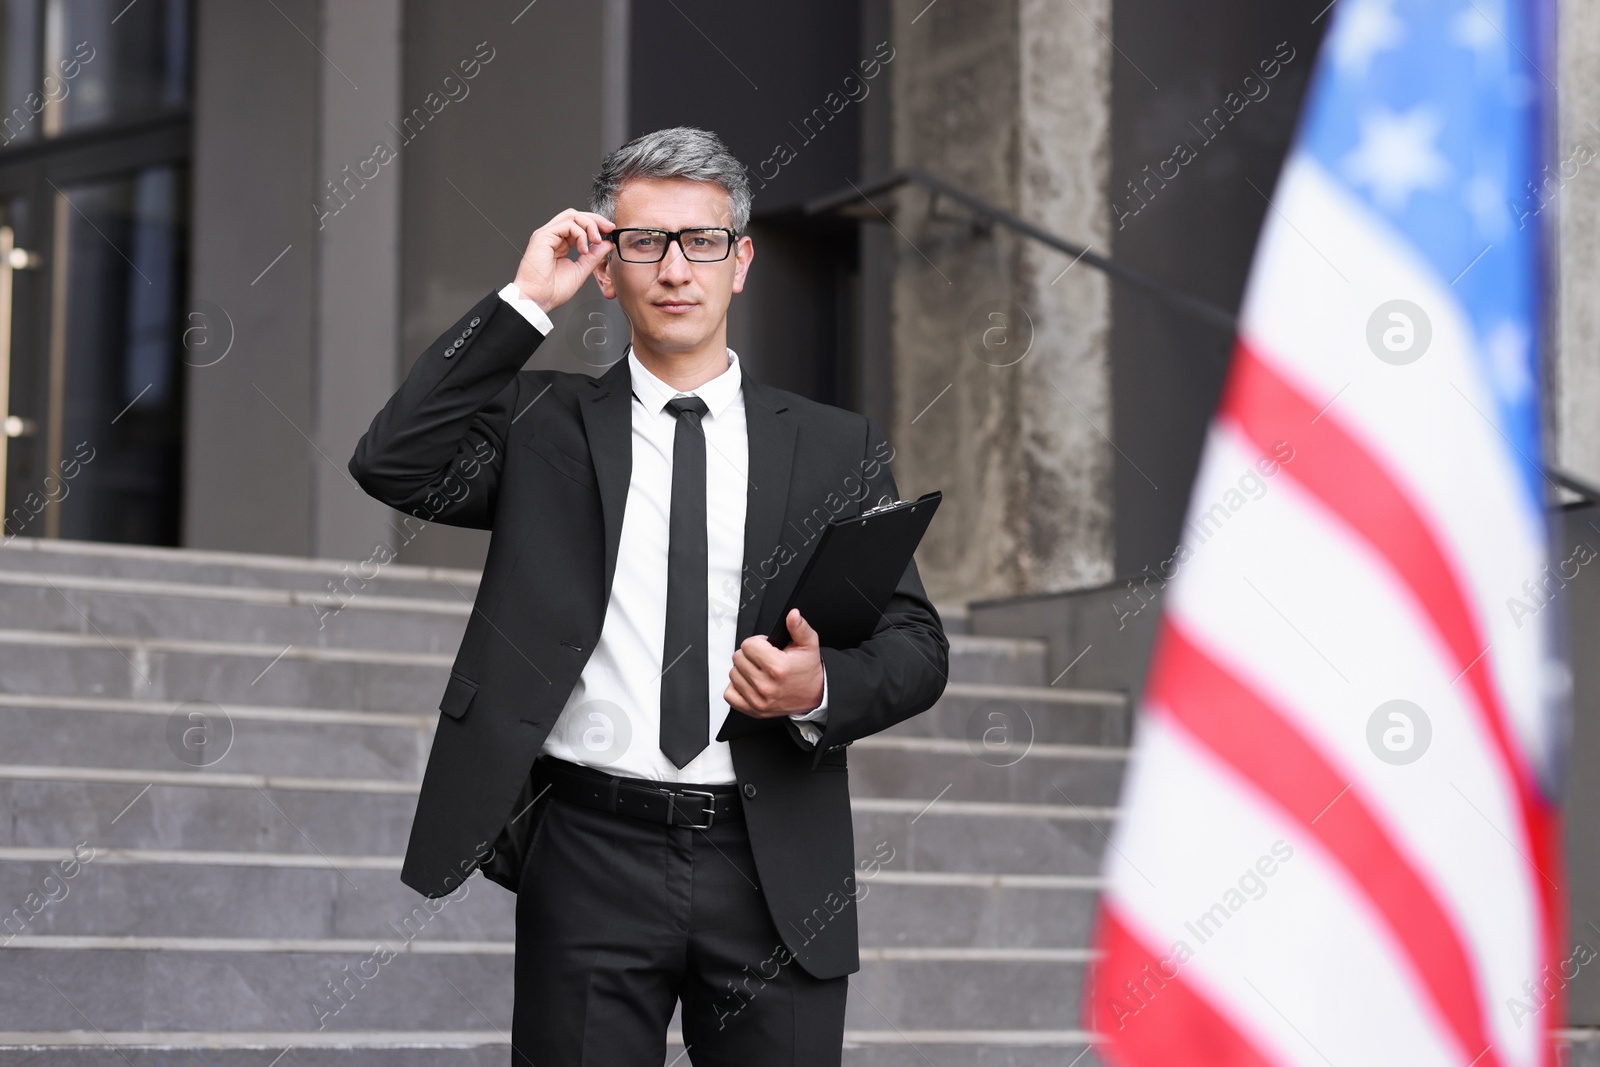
x,y
94,145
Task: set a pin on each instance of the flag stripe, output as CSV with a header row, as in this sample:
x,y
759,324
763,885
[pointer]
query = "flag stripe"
x,y
1351,483
1175,1024
1337,470
1246,732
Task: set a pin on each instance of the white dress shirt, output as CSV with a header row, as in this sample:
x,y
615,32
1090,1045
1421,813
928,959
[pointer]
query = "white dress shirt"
x,y
612,720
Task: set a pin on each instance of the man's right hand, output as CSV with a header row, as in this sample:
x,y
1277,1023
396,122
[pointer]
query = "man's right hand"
x,y
546,276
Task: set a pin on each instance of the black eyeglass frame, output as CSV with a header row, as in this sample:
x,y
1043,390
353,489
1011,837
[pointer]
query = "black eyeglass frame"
x,y
673,236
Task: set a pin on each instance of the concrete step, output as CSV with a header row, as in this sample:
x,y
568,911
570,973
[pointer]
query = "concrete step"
x,y
943,835
1002,721
248,672
896,765
94,732
241,569
489,1048
139,607
108,732
125,892
208,984
136,811
231,811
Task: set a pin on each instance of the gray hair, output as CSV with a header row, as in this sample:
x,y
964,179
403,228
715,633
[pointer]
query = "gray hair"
x,y
679,152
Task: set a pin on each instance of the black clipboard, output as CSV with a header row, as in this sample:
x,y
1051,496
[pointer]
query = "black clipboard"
x,y
857,563
848,580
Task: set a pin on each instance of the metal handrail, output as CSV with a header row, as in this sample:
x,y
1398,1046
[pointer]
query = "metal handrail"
x,y
1200,310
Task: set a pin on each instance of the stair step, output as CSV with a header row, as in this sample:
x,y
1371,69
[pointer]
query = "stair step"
x,y
245,569
250,672
175,893
200,735
223,893
107,732
1004,719
248,989
137,607
488,1048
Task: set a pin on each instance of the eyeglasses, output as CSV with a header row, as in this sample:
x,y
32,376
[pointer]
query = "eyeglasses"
x,y
702,244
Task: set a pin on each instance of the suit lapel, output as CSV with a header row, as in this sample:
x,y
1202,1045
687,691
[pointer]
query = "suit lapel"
x,y
771,433
608,423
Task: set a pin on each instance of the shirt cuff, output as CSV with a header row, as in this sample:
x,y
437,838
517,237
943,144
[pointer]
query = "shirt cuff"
x,y
818,714
528,309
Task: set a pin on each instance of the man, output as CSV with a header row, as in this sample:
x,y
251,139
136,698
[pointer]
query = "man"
x,y
648,527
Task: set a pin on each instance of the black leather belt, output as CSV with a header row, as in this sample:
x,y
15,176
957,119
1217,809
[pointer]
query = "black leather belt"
x,y
695,806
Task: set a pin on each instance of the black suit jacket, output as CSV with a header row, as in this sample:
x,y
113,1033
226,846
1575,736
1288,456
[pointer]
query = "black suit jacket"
x,y
543,459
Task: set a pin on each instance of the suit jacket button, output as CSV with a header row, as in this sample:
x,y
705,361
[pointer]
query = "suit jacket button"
x,y
474,322
750,790
467,332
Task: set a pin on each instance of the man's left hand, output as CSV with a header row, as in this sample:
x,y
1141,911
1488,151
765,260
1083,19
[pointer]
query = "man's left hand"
x,y
768,682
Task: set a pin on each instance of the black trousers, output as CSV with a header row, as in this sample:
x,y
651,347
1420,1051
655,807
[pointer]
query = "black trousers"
x,y
619,919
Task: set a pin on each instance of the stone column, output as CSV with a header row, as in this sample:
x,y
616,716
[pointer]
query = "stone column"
x,y
1572,191
358,261
1000,344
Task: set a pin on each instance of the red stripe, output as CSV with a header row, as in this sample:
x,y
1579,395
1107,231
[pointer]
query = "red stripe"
x,y
1340,472
1162,1021
1262,745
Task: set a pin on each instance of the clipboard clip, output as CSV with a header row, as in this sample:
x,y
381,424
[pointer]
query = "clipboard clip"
x,y
884,507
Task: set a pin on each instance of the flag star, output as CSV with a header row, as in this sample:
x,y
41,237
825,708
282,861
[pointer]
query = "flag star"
x,y
1483,199
1507,349
1396,157
1367,28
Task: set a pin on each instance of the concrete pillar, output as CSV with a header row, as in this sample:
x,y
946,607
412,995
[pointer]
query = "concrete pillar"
x,y
250,335
1002,385
1572,192
357,260
291,332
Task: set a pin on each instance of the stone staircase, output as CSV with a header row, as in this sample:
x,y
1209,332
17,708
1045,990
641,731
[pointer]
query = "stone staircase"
x,y
233,752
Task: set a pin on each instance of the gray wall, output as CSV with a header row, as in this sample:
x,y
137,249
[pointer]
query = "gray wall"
x,y
1195,233
248,468
288,98
523,144
1009,101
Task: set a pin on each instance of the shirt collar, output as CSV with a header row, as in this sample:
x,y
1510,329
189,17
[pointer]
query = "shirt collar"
x,y
654,393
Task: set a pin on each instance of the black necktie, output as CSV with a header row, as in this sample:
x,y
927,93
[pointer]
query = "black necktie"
x,y
685,698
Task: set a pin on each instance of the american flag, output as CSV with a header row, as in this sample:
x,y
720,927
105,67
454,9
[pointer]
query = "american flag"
x,y
1339,843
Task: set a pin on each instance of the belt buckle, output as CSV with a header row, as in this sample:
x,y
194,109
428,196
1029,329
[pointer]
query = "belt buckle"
x,y
709,810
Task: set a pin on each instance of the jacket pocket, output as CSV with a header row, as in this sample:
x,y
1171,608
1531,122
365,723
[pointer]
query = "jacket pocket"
x,y
834,759
561,460
457,696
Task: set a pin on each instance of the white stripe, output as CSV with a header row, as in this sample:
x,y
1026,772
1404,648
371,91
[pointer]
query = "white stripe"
x,y
400,1039
1105,698
1293,959
259,712
1419,419
247,560
201,858
194,857
1449,809
951,746
334,945
207,779
228,780
984,808
979,880
981,954
47,639
337,946
256,595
